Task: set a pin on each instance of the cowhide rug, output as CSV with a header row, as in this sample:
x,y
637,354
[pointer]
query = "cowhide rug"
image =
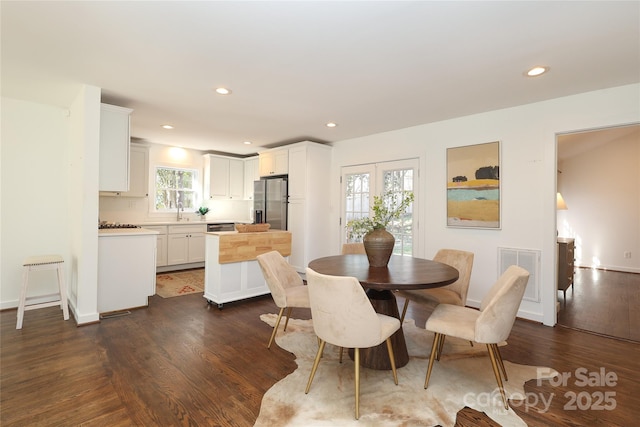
x,y
462,377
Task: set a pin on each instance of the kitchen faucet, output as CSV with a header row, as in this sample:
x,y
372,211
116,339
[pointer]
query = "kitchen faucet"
x,y
179,215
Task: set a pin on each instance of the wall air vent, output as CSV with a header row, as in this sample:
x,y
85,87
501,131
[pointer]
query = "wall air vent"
x,y
529,259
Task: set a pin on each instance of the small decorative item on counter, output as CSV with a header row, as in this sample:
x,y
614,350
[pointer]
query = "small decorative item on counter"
x,y
202,211
252,228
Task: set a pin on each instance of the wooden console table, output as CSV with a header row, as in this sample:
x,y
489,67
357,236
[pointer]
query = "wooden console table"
x,y
566,247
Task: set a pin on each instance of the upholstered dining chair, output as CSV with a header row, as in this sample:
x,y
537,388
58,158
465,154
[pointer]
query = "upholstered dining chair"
x,y
286,286
490,325
343,316
353,248
455,293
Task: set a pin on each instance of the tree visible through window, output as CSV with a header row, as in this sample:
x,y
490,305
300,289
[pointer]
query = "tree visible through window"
x,y
356,196
175,187
360,183
396,182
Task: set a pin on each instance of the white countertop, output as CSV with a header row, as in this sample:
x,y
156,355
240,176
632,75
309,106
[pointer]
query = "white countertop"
x,y
187,222
113,232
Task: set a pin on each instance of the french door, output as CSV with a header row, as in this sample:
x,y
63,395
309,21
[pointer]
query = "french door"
x,y
360,183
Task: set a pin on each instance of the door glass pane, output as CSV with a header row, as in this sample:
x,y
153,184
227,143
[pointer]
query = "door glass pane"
x,y
396,182
356,196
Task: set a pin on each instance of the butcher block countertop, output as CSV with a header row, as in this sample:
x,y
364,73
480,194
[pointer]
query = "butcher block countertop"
x,y
237,247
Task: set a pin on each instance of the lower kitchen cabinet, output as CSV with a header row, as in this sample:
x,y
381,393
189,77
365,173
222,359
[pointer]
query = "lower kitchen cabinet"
x,y
185,244
161,255
126,269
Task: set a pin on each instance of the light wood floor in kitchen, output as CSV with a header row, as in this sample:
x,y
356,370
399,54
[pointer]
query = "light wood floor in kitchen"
x,y
182,363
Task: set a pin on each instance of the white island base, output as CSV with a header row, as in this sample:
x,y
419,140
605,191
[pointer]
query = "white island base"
x,y
231,270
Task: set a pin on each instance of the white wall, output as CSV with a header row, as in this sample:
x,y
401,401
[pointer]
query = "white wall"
x,y
35,193
83,170
527,171
602,190
49,182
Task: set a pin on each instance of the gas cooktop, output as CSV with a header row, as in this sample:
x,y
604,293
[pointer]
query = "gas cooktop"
x,y
109,226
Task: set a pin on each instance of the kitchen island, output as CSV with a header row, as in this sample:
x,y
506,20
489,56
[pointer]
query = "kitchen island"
x,y
231,270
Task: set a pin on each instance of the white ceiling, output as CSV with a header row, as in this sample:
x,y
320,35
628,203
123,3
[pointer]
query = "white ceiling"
x,y
293,66
574,144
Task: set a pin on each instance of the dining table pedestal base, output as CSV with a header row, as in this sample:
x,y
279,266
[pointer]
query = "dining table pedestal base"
x,y
384,302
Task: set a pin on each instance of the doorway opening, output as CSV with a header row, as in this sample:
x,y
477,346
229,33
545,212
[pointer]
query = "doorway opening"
x,y
599,181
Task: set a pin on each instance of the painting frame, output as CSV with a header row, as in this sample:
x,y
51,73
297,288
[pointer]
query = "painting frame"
x,y
473,189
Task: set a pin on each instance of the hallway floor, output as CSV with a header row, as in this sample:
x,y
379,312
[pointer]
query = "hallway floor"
x,y
603,302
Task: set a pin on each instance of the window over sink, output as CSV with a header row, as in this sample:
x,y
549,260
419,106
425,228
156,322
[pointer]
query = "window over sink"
x,y
176,187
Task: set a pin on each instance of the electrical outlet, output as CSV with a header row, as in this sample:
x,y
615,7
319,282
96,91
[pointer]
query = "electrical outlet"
x,y
627,255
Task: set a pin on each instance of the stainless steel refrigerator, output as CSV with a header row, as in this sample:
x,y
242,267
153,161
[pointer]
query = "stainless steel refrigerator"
x,y
270,202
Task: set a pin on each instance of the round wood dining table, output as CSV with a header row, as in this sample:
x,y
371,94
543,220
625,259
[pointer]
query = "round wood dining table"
x,y
401,273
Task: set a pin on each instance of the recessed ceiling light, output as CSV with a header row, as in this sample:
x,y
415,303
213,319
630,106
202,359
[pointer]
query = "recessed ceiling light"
x,y
536,71
167,126
223,91
247,143
331,125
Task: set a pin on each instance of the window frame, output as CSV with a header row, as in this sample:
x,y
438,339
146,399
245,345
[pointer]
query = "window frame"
x,y
195,188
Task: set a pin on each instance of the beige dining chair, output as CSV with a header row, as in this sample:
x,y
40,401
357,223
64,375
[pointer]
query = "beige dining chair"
x,y
286,286
343,316
353,248
455,293
490,325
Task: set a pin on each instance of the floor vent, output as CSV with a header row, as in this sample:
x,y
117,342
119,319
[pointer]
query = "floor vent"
x,y
528,259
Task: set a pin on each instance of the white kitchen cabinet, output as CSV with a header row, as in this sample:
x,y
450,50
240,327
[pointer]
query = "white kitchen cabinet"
x,y
196,247
274,162
251,174
296,225
161,254
126,269
223,177
185,244
138,174
309,203
114,148
236,179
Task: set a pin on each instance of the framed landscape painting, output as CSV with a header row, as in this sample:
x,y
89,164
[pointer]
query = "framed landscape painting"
x,y
473,186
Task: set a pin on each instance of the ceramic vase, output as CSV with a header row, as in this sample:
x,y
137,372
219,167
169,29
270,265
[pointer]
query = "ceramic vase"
x,y
378,244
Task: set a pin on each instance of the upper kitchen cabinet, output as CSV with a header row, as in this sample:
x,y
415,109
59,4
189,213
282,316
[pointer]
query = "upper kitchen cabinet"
x,y
138,174
223,177
274,162
251,174
114,148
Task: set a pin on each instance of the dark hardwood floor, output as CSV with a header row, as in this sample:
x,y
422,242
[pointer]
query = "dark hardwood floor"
x,y
603,302
180,363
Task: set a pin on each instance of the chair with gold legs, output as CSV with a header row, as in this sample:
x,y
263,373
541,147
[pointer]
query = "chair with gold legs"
x,y
490,325
353,248
343,316
455,293
287,287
